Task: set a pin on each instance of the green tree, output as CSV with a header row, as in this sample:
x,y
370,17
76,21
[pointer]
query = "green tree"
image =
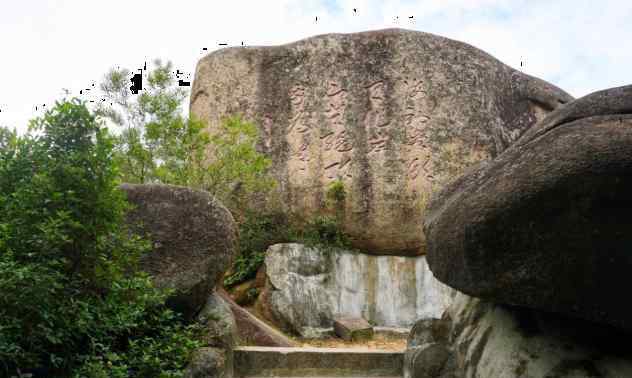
x,y
73,302
158,144
235,172
152,129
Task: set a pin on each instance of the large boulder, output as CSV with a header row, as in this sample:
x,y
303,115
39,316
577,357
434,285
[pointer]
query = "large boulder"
x,y
307,287
390,113
492,340
547,223
193,240
298,296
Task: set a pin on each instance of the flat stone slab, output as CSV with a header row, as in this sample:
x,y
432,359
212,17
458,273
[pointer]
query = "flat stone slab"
x,y
317,362
353,329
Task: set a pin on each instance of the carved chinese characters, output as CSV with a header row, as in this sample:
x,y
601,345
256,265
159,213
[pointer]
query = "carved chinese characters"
x,y
376,121
417,158
332,149
298,132
337,146
393,114
266,131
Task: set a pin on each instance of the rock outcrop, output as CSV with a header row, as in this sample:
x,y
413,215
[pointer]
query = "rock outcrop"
x,y
253,331
308,287
492,340
245,293
390,113
193,240
219,324
428,351
209,363
546,224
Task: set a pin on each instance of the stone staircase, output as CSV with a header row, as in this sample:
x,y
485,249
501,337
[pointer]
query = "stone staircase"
x,y
252,362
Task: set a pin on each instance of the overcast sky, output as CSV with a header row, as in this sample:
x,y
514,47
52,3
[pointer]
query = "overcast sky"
x,y
49,45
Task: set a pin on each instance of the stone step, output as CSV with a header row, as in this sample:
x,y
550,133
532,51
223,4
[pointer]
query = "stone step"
x,y
254,362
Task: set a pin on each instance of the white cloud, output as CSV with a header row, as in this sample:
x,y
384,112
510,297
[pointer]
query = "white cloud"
x,y
50,45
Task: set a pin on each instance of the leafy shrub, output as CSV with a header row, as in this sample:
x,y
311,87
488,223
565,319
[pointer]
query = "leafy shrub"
x,y
158,144
236,173
259,231
324,232
73,302
336,193
245,267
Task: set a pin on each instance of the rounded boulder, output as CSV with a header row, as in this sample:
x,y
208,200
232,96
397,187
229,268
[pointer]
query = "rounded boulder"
x,y
547,224
193,239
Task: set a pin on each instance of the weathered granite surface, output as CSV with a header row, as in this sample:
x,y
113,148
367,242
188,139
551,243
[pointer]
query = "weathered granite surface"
x,y
253,331
308,287
353,329
219,326
391,113
493,340
193,240
209,363
428,353
546,224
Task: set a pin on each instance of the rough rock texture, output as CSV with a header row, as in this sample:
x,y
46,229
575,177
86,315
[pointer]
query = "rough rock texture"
x,y
492,340
392,113
193,239
220,328
253,331
547,223
353,329
246,293
428,331
429,361
308,287
209,363
428,354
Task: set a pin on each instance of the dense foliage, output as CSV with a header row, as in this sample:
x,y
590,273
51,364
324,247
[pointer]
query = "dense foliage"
x,y
73,301
158,144
260,230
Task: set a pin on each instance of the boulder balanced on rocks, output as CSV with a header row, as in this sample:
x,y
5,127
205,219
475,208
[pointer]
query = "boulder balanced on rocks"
x,y
193,240
392,114
547,224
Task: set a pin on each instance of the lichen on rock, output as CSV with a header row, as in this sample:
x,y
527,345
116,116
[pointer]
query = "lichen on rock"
x,y
392,114
193,239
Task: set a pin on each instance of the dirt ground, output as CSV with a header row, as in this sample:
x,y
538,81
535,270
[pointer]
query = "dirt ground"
x,y
378,342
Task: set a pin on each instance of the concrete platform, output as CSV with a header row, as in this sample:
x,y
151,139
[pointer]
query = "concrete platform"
x,y
254,362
